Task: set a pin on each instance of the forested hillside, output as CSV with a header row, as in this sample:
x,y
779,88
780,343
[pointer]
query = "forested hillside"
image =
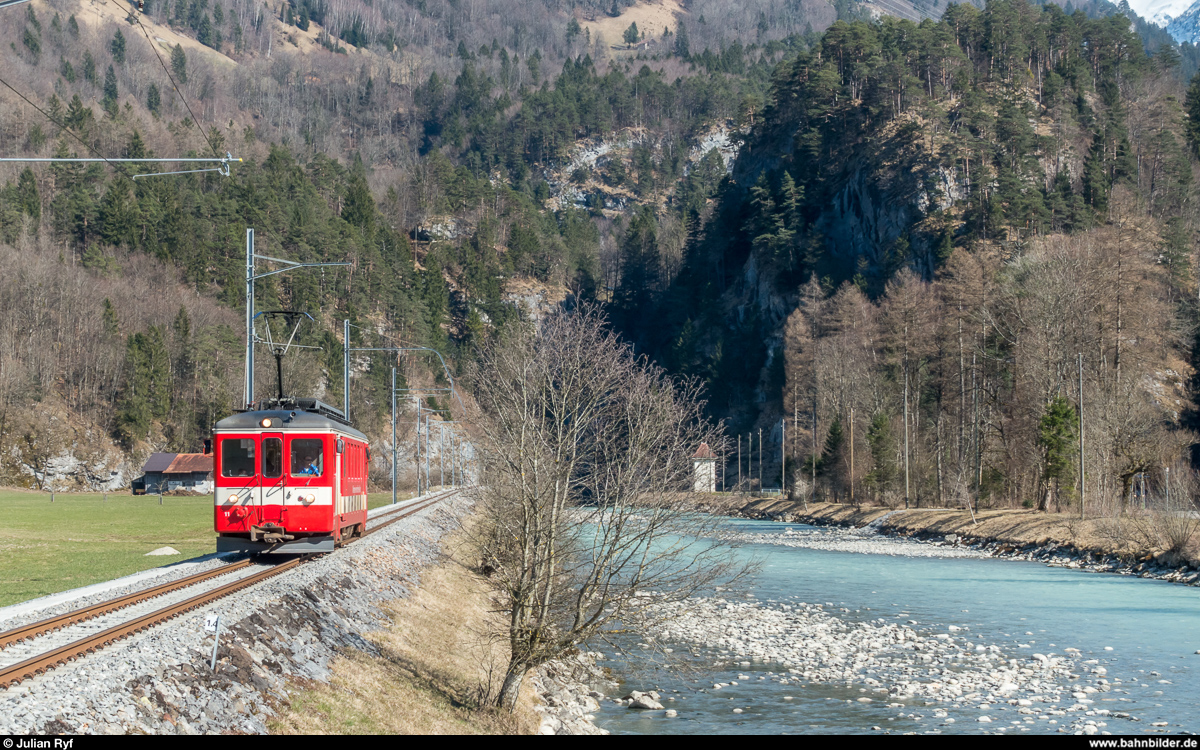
x,y
473,163
928,226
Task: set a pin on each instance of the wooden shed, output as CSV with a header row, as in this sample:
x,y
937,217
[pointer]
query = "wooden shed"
x,y
165,472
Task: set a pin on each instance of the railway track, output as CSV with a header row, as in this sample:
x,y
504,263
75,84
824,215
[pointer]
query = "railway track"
x,y
56,656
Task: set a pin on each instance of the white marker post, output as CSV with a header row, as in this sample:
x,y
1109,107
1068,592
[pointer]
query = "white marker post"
x,y
212,623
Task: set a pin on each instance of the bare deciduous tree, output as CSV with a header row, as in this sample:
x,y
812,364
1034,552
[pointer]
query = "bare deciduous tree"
x,y
587,466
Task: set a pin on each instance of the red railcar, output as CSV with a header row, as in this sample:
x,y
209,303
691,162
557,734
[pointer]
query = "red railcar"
x,y
289,480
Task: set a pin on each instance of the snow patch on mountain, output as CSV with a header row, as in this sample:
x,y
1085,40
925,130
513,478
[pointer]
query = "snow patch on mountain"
x,y
1162,12
1186,26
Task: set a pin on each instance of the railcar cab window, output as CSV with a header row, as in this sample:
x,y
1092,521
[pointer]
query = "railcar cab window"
x,y
308,457
237,457
272,458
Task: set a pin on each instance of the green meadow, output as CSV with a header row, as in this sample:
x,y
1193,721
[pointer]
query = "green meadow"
x,y
79,539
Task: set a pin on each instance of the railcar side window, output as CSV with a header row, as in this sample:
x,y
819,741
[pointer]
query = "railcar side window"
x,y
272,458
237,457
307,457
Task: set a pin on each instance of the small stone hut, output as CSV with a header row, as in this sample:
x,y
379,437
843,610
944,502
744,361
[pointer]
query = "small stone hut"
x,y
704,469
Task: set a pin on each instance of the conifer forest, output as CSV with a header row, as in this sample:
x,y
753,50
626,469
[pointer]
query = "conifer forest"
x,y
944,262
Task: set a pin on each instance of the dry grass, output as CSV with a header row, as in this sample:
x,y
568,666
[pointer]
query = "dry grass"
x,y
651,19
436,669
98,15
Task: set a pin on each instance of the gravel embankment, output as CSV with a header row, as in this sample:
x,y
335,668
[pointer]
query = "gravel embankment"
x,y
288,627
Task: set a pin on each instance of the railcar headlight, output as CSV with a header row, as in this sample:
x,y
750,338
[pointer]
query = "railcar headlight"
x,y
310,498
266,422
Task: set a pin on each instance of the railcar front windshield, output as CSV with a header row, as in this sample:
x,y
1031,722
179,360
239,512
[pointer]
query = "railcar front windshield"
x,y
237,457
308,457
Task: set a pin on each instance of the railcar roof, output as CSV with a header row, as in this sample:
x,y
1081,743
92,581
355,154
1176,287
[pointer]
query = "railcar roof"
x,y
288,421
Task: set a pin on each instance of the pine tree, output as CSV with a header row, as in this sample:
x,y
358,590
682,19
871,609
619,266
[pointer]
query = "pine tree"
x,y
89,69
681,42
118,215
153,100
631,34
109,102
204,34
1192,107
1056,438
27,195
108,317
882,443
358,209
179,64
833,457
78,118
117,46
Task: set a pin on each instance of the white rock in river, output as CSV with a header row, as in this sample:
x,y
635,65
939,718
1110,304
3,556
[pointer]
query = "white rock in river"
x,y
643,701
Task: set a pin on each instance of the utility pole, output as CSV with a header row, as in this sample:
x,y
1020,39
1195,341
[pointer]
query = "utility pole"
x,y
1082,485
782,457
346,376
251,277
906,485
852,455
393,430
813,491
418,442
428,453
249,380
739,461
760,484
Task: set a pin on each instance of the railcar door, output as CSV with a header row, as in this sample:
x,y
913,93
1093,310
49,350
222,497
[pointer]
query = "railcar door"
x,y
310,480
237,457
273,498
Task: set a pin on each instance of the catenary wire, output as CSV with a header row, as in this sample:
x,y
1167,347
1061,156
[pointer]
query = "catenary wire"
x,y
67,130
133,13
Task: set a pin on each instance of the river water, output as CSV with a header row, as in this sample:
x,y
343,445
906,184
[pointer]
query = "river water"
x,y
1143,632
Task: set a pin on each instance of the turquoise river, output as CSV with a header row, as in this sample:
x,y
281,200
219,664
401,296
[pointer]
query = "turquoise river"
x,y
1145,634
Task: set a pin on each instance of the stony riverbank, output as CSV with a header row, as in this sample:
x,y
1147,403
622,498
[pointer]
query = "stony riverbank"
x,y
932,675
1054,539
570,690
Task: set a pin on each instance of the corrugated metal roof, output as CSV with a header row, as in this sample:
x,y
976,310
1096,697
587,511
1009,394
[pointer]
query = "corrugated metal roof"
x,y
158,462
188,463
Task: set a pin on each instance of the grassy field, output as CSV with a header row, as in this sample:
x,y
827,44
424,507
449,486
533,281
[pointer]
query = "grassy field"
x,y
79,539
380,499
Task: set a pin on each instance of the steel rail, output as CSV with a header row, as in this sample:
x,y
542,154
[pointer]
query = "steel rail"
x,y
41,663
399,516
83,614
30,668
